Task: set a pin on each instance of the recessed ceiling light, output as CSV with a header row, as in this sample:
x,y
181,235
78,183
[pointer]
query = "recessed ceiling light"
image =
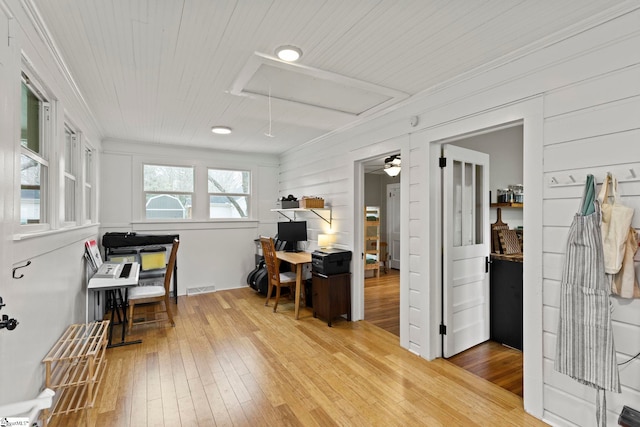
x,y
289,53
221,130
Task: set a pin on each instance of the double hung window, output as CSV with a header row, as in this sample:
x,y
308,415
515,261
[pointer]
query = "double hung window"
x,y
229,193
34,160
70,173
171,192
168,191
87,173
56,166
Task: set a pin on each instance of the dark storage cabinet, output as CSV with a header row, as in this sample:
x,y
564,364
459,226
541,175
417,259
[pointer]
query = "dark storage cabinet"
x,y
331,296
506,302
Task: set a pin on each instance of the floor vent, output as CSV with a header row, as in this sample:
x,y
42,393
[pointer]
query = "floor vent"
x,y
200,290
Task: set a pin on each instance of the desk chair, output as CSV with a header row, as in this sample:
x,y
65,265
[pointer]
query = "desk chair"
x,y
154,294
276,278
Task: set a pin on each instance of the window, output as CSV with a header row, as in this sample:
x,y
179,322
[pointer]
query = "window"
x,y
70,172
34,163
56,173
468,187
168,191
229,193
87,166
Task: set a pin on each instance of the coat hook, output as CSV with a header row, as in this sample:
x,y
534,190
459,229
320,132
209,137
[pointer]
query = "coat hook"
x,y
633,173
572,178
22,266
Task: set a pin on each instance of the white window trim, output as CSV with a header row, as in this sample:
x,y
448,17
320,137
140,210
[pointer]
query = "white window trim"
x,y
73,175
88,172
143,193
52,157
199,210
249,195
47,111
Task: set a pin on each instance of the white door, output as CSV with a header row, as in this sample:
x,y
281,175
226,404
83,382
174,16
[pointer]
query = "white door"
x,y
466,249
393,225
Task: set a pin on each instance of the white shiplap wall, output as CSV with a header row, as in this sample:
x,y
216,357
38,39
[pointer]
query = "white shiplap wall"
x,y
581,104
590,127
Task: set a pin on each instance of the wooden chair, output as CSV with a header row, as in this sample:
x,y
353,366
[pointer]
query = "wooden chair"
x,y
276,278
154,294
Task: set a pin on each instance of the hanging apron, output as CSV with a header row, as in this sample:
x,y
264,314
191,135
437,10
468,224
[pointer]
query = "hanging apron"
x,y
584,348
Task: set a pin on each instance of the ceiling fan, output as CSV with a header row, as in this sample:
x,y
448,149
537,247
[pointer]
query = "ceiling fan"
x,y
392,165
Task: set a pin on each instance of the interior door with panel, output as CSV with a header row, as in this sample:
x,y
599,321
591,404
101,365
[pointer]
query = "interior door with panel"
x,y
466,248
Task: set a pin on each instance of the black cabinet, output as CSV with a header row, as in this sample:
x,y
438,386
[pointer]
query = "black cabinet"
x,y
506,302
331,295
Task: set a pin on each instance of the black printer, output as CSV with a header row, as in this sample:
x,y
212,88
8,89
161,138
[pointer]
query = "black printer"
x,y
330,261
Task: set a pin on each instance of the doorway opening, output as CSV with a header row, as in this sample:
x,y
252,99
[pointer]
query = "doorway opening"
x,y
499,357
381,234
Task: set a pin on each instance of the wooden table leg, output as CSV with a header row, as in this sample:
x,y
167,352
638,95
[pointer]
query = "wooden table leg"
x,y
298,286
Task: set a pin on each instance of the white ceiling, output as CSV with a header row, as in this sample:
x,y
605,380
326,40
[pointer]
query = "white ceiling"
x,y
165,71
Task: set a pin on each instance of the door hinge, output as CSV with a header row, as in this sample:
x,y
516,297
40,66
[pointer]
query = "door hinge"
x,y
442,162
443,329
487,262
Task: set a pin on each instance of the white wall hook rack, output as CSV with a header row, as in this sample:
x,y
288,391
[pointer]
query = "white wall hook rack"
x,y
571,180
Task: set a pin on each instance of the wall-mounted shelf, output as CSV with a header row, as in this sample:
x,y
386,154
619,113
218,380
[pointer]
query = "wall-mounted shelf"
x,y
322,213
507,205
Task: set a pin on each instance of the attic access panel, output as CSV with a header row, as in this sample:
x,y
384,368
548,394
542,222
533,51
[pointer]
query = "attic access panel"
x,y
313,87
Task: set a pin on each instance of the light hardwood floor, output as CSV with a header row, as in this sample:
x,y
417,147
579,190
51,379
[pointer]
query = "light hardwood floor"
x,y
494,362
382,301
231,361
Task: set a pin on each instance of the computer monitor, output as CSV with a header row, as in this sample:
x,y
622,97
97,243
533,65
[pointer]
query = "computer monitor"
x,y
292,232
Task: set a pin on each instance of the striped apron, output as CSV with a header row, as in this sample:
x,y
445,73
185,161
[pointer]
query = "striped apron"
x,y
584,348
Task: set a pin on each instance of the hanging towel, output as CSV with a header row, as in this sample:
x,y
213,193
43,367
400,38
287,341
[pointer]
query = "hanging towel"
x,y
625,283
584,349
588,207
616,220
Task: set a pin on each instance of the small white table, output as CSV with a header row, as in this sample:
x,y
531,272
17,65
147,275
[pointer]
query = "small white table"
x,y
111,286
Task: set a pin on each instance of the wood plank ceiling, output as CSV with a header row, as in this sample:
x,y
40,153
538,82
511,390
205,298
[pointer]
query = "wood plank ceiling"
x,y
161,71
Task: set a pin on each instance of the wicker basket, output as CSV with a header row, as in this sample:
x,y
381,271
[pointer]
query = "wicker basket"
x,y
312,203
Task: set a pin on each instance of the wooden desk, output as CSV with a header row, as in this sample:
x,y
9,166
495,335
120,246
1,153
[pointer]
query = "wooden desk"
x,y
298,259
111,285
